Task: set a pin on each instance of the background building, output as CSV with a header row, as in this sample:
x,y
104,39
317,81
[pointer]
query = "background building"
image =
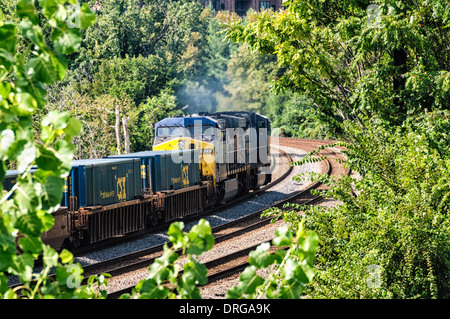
x,y
242,6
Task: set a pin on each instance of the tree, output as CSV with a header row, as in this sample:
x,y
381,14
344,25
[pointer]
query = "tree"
x,y
134,78
204,63
139,50
26,209
249,80
151,112
378,77
347,64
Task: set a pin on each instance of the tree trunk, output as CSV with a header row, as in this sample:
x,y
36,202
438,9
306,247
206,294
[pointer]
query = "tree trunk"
x,y
125,134
117,129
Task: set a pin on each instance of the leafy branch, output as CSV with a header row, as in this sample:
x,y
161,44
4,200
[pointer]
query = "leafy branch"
x,y
26,209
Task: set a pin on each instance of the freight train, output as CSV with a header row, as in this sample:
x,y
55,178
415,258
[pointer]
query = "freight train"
x,y
197,161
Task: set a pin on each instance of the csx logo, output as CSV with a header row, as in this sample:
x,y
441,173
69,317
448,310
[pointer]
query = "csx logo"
x,y
121,188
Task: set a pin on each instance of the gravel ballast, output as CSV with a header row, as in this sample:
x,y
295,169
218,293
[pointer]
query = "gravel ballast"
x,y
261,201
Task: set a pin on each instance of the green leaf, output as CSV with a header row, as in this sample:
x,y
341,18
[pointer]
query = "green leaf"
x,y
25,196
29,224
249,280
64,152
33,33
49,256
284,237
47,159
49,7
7,138
3,280
200,238
70,276
25,8
60,13
26,103
46,68
6,60
66,256
73,127
31,244
16,148
279,255
66,40
8,37
6,260
24,265
149,289
290,292
87,16
2,173
176,235
261,257
46,218
26,157
234,293
162,267
309,242
5,89
293,272
59,120
197,270
53,190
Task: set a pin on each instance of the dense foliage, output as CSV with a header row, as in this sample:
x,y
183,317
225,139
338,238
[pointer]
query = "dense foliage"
x,y
26,210
374,75
167,53
379,78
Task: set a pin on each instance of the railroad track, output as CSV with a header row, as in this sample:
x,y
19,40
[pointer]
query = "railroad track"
x,y
230,263
220,267
237,261
210,211
155,249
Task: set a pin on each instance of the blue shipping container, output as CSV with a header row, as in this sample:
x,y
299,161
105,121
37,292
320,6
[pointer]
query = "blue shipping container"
x,y
166,170
103,182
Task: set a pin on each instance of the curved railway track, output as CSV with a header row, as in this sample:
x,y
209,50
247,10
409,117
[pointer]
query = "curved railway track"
x,y
210,211
220,267
229,263
334,167
95,268
235,262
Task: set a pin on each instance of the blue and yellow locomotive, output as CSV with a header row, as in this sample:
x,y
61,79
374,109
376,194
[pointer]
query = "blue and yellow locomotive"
x,y
197,161
234,146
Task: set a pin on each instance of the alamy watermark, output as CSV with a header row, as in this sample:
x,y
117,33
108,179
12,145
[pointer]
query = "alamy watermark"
x,y
374,16
74,279
374,279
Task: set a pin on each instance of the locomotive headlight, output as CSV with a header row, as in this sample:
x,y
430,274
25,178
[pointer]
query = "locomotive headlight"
x,y
181,145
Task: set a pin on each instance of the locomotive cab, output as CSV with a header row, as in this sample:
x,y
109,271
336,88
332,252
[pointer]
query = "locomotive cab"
x,y
190,132
234,148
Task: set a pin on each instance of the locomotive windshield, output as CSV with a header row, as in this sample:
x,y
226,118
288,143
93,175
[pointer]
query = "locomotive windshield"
x,y
172,131
205,131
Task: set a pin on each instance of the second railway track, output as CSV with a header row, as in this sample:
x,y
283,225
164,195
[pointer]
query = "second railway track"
x,y
230,263
124,267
